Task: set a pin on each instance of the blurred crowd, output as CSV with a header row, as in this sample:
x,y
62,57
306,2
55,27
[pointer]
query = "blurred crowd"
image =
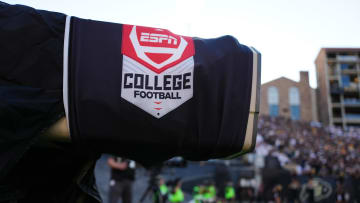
x,y
294,161
306,162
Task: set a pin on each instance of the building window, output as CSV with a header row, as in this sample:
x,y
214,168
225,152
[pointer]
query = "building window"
x,y
344,66
273,110
273,101
295,112
294,101
345,79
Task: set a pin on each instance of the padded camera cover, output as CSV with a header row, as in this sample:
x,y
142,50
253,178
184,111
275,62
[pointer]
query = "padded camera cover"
x,y
149,94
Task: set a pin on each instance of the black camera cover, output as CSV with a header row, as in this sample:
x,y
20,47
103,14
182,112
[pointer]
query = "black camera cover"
x,y
149,94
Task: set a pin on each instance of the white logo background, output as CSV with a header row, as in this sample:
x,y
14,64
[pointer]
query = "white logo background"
x,y
156,106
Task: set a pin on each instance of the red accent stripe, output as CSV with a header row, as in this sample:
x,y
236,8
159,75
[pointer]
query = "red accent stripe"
x,y
158,108
157,102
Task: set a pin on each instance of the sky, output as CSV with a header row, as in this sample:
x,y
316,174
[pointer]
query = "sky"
x,y
288,33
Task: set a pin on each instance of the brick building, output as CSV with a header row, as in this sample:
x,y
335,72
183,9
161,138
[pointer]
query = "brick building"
x,y
338,73
288,98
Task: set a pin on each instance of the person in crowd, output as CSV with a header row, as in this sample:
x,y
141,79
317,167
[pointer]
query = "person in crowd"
x,y
209,192
212,191
310,190
230,192
294,190
277,193
122,177
245,189
176,195
197,196
163,188
221,177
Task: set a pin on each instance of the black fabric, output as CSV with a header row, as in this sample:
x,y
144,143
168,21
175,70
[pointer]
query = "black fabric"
x,y
56,175
121,190
30,77
126,174
31,40
212,124
31,49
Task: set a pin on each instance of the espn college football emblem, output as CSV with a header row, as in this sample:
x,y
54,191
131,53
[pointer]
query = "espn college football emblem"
x,y
158,69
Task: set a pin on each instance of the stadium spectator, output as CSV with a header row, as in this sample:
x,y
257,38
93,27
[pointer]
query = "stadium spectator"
x,y
176,195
